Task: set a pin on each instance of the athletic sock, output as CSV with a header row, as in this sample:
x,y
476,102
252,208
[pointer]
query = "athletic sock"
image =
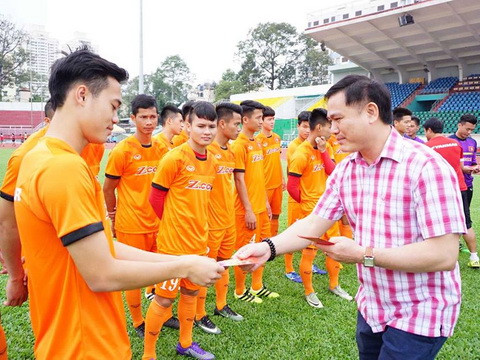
x,y
134,301
474,256
274,226
149,289
201,298
257,278
333,269
240,277
221,290
306,263
156,316
186,313
288,263
3,345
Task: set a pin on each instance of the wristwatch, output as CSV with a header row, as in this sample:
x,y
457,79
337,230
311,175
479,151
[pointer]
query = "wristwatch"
x,y
368,258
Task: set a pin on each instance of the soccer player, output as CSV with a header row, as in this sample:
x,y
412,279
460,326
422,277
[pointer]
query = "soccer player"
x,y
181,138
252,210
307,176
452,151
403,234
466,125
172,124
129,171
221,214
401,120
412,130
76,270
180,196
274,180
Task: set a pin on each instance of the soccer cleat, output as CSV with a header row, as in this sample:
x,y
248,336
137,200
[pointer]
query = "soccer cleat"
x,y
264,293
316,270
140,330
293,276
150,295
194,351
207,325
342,293
474,264
172,323
247,297
463,248
313,301
228,313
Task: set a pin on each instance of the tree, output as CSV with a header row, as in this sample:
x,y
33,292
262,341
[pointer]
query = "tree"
x,y
13,55
313,65
175,74
229,85
270,53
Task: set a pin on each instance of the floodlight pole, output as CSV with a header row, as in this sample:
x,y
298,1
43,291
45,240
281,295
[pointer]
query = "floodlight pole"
x,y
140,72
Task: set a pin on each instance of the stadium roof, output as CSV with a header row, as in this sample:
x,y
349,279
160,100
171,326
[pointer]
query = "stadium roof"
x,y
444,33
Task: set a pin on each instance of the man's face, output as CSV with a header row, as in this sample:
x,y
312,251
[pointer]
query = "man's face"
x,y
349,123
176,123
99,113
202,131
325,130
412,129
402,124
231,128
268,123
254,121
145,120
465,130
303,130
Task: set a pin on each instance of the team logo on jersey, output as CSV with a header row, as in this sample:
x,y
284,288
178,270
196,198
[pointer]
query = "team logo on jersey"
x,y
312,157
198,185
277,139
137,156
250,147
225,170
145,170
471,148
265,144
218,156
190,168
257,157
318,167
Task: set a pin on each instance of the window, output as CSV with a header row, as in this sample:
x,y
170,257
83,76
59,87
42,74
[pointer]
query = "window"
x,y
309,24
332,19
315,23
326,21
358,13
380,7
393,5
345,16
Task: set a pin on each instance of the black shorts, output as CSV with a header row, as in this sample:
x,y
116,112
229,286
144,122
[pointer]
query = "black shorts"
x,y
466,199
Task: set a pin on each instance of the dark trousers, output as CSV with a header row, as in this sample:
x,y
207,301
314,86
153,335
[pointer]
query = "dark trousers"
x,y
394,344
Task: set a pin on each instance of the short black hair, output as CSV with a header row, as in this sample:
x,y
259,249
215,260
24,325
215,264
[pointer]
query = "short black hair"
x,y
434,124
400,112
318,116
470,118
304,116
203,110
249,106
416,120
268,112
167,112
186,108
81,66
225,110
143,101
49,112
360,89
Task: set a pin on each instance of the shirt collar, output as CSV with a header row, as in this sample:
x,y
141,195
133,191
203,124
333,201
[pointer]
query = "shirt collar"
x,y
393,149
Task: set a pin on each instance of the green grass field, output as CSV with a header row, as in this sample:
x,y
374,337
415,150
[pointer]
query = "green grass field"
x,y
283,328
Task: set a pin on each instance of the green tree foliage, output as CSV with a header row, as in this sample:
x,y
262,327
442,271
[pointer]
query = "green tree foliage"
x,y
229,85
313,64
13,55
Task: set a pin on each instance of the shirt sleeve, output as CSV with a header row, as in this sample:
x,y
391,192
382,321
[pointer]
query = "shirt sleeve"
x,y
10,179
166,172
240,157
329,206
438,201
298,164
115,164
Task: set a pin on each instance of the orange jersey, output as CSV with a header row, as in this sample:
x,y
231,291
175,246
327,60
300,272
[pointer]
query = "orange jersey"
x,y
290,151
134,165
221,212
308,164
181,138
271,159
164,144
338,154
249,160
58,201
10,179
93,154
189,181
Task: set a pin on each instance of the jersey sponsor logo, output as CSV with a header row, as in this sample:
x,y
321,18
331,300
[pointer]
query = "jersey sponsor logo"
x,y
17,194
145,170
190,168
225,170
257,157
273,150
318,167
137,156
198,185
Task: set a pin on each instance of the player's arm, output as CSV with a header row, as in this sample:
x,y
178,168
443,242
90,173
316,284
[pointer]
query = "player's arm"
x,y
11,248
103,272
293,186
250,220
109,187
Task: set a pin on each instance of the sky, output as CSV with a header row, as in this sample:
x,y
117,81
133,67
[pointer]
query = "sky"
x,y
204,33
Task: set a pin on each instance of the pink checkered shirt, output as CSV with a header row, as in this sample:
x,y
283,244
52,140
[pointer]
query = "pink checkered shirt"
x,y
408,194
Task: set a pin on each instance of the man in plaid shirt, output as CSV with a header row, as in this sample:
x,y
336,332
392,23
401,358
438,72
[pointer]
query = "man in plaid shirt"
x,y
403,202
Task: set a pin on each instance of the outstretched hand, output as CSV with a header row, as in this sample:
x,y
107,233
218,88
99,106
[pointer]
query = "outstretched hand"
x,y
259,251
